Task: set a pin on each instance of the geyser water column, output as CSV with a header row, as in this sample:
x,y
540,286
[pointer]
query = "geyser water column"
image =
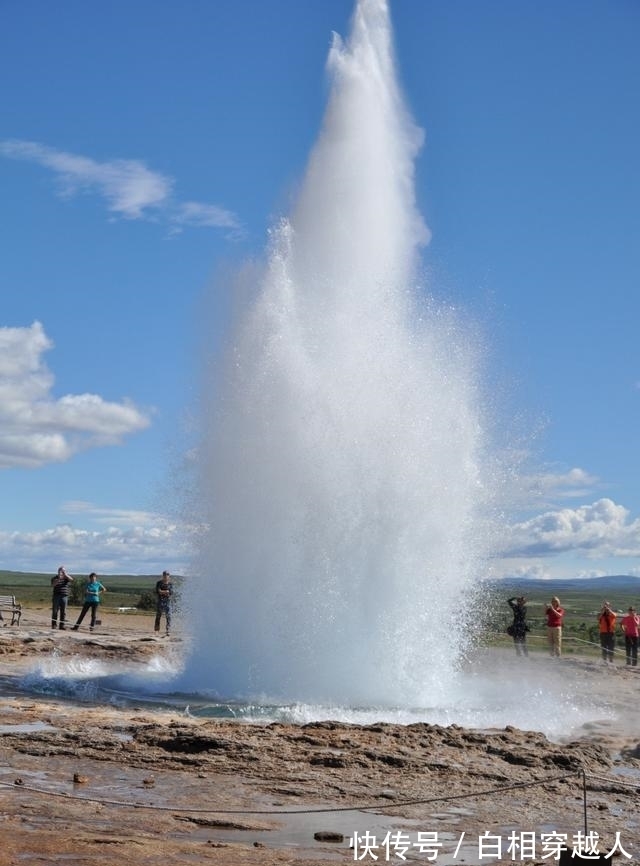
x,y
341,485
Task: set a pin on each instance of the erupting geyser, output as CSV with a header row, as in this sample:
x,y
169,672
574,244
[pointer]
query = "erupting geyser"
x,y
341,465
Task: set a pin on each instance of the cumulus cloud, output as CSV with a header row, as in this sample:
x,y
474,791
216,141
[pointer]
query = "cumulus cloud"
x,y
145,544
599,530
131,189
574,483
37,428
550,486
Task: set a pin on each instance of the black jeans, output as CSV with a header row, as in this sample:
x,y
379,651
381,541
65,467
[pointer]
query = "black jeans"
x,y
608,644
520,643
59,608
93,607
631,644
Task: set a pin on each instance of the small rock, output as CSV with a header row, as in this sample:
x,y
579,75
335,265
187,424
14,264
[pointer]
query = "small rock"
x,y
328,836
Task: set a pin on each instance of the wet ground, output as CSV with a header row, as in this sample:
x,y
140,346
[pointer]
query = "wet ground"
x,y
86,782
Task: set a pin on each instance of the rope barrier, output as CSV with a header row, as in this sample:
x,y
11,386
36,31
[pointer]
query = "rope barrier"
x,y
354,808
615,780
566,638
323,810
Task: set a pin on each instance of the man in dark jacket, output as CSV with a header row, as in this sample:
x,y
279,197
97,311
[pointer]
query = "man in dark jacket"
x,y
60,585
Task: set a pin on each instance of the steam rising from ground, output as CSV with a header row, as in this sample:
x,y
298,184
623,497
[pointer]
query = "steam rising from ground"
x,y
343,464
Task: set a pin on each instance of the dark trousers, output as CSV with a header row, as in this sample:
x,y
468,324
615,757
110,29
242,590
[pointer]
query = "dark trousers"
x,y
59,608
93,607
608,644
520,643
631,644
163,608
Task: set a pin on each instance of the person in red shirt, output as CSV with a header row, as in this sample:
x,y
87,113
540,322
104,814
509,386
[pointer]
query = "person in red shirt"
x,y
555,615
607,624
630,625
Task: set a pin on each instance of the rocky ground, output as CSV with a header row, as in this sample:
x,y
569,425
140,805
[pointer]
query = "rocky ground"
x,y
99,784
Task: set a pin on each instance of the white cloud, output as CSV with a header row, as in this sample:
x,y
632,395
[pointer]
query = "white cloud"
x,y
111,541
37,428
600,530
530,570
110,516
553,486
130,189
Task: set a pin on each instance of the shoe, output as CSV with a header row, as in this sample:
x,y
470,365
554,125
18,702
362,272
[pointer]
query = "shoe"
x,y
75,628
90,628
62,627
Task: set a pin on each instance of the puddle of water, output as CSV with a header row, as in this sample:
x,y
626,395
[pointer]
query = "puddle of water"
x,y
26,728
630,773
297,831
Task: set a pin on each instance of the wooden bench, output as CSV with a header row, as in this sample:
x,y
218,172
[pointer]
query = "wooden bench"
x,y
9,603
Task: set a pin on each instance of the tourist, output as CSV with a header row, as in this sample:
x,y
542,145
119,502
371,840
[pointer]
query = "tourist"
x,y
555,615
519,628
164,592
607,625
630,625
60,597
92,592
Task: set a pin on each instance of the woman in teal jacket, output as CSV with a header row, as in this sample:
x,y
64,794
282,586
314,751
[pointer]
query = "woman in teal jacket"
x,y
92,592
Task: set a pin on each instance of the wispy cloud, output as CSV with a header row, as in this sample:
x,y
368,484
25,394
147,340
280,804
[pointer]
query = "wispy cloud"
x,y
130,189
37,428
193,213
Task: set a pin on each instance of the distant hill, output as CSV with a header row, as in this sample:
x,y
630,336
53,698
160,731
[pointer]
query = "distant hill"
x,y
622,583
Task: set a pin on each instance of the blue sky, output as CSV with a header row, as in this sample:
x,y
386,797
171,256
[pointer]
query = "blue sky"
x,y
146,147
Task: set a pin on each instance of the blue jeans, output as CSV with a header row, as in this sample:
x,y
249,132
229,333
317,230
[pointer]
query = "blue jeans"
x,y
163,608
59,608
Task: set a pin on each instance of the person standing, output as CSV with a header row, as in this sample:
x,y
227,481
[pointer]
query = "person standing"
x,y
607,625
630,625
60,597
92,593
519,627
555,616
164,593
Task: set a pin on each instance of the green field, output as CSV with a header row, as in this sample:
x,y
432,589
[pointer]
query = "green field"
x,y
34,590
581,599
